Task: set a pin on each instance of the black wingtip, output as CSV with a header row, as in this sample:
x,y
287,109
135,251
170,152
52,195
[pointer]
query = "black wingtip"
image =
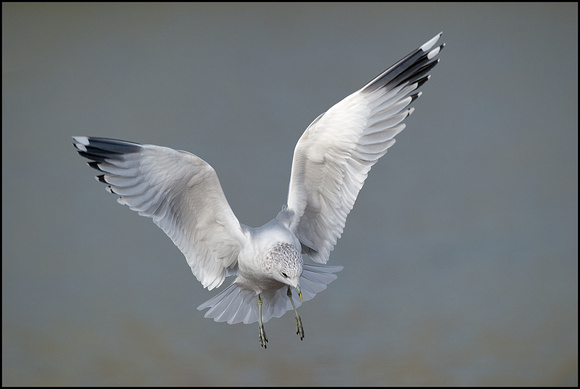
x,y
410,68
415,96
423,80
94,165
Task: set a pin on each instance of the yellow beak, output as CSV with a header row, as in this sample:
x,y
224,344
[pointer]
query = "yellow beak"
x,y
299,292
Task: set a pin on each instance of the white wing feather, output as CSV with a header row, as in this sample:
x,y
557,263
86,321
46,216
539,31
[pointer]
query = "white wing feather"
x,y
181,193
335,153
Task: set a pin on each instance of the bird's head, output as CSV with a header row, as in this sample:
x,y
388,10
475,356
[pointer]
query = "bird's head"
x,y
287,265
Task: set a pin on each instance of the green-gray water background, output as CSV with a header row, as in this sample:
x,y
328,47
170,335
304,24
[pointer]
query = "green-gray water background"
x,y
460,256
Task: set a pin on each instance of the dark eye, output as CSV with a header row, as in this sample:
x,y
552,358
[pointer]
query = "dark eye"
x,y
285,275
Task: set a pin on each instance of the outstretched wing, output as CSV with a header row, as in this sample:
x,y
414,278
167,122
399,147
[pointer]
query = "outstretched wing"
x,y
180,192
336,152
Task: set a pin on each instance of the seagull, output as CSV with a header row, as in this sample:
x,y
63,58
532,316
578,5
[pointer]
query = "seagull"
x,y
182,194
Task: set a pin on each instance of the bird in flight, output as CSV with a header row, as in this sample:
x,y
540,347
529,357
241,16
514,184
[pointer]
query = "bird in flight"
x,y
182,194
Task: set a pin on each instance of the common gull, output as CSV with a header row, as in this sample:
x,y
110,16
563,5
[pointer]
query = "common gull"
x,y
182,194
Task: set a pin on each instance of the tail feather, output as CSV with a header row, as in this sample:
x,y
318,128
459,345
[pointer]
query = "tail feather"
x,y
233,305
237,305
315,278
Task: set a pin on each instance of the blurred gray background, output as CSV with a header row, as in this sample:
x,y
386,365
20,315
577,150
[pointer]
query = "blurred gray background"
x,y
460,256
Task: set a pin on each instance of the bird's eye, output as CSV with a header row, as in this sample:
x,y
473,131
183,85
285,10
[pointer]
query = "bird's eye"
x,y
285,275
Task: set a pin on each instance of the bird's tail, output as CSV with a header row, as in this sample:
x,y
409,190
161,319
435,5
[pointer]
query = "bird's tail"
x,y
236,305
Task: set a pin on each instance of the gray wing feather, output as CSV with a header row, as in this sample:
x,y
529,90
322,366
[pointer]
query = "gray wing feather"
x,y
335,153
180,192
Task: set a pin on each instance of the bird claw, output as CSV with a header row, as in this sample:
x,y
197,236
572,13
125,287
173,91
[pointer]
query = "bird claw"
x,y
299,328
262,337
